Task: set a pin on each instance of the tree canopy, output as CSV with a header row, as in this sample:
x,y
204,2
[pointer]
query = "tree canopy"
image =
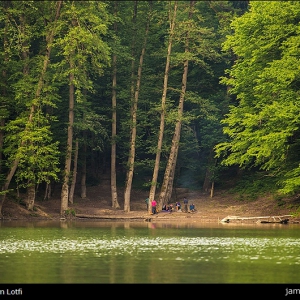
x,y
263,123
72,69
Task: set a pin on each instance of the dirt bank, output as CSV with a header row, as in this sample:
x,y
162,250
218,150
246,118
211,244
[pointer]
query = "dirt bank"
x,y
97,205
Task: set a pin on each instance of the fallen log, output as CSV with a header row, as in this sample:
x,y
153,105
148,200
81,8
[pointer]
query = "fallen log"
x,y
276,219
284,221
106,217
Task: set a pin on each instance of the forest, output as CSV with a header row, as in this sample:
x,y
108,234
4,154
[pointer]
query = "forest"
x,y
150,94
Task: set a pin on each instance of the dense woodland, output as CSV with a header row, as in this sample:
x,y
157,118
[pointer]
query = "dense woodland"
x,y
150,94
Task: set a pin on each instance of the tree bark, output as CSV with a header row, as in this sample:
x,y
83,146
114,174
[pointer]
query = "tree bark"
x,y
167,186
163,110
131,156
83,173
48,191
74,175
67,170
113,174
30,197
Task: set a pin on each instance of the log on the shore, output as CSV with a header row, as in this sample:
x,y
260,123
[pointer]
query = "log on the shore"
x,y
284,221
84,216
276,219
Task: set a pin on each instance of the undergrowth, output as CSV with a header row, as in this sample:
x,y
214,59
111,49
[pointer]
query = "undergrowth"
x,y
252,186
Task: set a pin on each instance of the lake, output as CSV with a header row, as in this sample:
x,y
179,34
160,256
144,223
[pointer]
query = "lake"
x,y
90,252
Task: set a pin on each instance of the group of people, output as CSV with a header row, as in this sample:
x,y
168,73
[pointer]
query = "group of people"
x,y
186,208
169,207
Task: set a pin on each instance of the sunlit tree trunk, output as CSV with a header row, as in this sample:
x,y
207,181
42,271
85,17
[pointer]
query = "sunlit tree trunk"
x,y
30,197
74,174
113,174
134,18
25,56
131,156
163,109
83,172
167,186
67,170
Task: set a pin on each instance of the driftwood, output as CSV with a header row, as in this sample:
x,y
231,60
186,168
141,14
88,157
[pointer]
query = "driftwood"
x,y
269,219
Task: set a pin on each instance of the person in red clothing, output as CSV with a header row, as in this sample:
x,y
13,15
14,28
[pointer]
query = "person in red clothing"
x,y
154,205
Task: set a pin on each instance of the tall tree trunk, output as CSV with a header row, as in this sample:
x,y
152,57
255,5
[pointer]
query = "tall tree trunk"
x,y
134,18
131,156
74,175
113,174
67,170
48,191
212,189
163,110
2,124
25,56
167,186
133,81
30,197
49,39
207,180
83,172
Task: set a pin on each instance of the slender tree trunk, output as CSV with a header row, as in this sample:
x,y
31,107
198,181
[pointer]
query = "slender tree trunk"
x,y
134,17
113,174
212,189
132,91
74,175
2,124
49,39
67,170
207,181
48,191
25,55
163,110
167,186
131,156
83,173
133,81
30,197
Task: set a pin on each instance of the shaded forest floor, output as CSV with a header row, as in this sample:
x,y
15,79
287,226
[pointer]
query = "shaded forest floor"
x,y
97,205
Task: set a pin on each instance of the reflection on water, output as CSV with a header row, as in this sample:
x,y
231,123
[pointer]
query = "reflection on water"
x,y
100,252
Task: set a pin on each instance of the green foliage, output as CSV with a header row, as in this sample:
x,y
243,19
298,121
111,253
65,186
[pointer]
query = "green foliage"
x,y
290,181
264,122
86,34
31,144
80,42
70,212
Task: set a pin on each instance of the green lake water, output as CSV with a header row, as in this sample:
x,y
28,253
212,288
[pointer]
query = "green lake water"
x,y
140,252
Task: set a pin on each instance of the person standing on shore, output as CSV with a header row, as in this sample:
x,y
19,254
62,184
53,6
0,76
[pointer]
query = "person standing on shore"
x,y
154,205
185,203
147,202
